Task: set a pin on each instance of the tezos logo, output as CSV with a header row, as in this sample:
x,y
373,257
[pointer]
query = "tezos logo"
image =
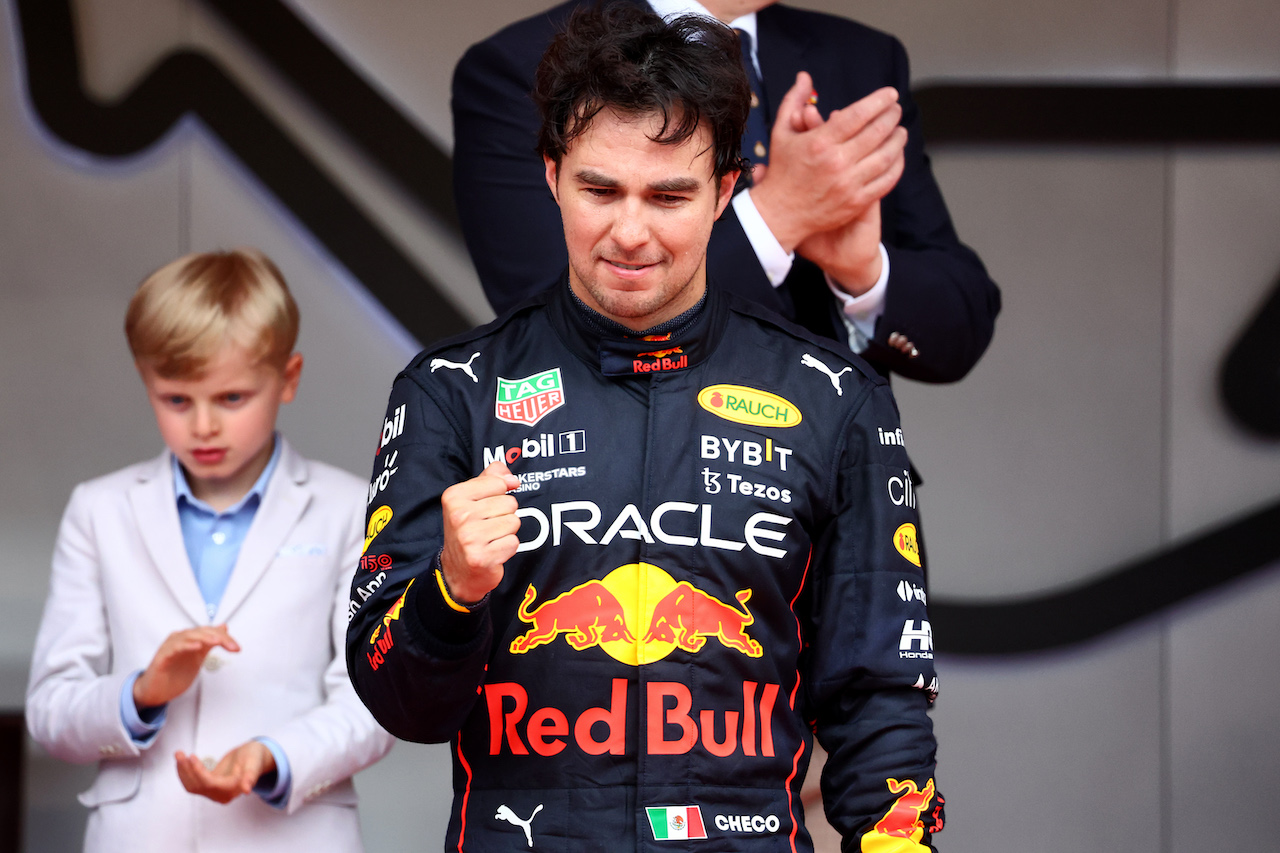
x,y
912,636
527,401
392,428
748,406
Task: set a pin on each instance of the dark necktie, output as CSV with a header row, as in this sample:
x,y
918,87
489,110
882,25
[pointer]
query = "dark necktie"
x,y
755,141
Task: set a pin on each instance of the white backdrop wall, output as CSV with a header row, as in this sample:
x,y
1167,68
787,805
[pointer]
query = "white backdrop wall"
x,y
1090,434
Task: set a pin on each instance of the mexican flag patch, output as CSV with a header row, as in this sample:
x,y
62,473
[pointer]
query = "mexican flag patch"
x,y
675,823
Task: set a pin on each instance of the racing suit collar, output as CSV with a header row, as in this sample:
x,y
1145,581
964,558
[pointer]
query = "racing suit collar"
x,y
616,354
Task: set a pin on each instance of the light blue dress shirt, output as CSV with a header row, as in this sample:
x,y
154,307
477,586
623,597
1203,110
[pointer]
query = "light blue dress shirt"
x,y
213,541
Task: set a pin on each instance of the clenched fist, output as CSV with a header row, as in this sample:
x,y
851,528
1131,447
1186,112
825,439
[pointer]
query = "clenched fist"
x,y
480,527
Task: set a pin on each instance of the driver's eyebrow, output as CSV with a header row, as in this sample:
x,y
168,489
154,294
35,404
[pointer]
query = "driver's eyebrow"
x,y
669,185
675,185
598,179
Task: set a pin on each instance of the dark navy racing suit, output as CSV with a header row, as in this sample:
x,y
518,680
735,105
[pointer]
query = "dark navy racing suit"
x,y
718,559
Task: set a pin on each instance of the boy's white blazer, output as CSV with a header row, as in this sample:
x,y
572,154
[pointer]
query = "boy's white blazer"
x,y
122,583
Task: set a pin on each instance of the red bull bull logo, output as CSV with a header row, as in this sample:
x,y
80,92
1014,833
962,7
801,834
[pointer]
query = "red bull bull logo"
x,y
610,612
660,353
588,614
901,828
686,616
381,638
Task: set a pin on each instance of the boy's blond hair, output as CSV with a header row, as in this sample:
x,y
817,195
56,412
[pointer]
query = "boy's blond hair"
x,y
184,312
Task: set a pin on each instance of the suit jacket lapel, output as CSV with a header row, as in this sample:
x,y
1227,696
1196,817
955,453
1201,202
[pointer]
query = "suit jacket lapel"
x,y
286,498
781,51
156,512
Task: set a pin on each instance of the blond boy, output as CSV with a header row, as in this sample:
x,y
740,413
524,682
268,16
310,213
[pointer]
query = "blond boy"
x,y
190,641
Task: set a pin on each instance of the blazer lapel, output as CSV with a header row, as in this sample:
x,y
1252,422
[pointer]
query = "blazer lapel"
x,y
156,511
286,498
781,51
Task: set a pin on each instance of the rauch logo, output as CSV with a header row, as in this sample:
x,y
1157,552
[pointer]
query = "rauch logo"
x,y
748,406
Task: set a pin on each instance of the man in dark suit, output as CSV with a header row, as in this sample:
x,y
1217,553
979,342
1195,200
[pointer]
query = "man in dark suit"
x,y
844,230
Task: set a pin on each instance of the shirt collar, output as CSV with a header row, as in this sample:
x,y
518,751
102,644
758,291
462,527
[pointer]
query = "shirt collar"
x,y
696,338
182,490
669,9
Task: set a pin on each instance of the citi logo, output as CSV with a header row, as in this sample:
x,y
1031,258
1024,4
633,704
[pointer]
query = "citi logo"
x,y
916,642
910,592
901,490
894,437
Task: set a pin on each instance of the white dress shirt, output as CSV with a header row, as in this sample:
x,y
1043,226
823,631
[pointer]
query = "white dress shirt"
x,y
858,312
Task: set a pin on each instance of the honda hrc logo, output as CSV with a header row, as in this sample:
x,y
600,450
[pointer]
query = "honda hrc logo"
x,y
912,637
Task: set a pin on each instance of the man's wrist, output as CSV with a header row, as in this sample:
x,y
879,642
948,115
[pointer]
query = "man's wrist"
x,y
774,259
778,221
861,312
861,277
459,603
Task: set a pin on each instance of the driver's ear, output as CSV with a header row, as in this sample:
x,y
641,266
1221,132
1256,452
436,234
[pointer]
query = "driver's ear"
x,y
553,175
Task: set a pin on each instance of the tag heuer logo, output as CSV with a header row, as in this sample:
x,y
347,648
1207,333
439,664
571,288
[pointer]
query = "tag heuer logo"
x,y
526,401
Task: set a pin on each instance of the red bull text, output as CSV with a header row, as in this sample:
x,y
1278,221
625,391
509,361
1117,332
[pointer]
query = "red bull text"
x,y
672,726
381,638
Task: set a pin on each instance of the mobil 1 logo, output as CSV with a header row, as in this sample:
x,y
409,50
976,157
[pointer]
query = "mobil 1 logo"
x,y
542,446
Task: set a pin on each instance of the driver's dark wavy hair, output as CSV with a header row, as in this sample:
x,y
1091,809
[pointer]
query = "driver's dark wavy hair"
x,y
622,56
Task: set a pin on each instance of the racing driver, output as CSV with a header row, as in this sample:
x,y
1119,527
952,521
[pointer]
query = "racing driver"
x,y
632,545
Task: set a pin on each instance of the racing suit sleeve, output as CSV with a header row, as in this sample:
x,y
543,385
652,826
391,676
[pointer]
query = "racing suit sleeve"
x,y
415,657
871,675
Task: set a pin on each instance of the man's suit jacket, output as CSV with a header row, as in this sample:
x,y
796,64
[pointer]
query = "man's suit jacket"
x,y
939,294
122,583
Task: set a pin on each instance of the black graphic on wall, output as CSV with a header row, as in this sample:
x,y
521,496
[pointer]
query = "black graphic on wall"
x,y
188,82
1250,380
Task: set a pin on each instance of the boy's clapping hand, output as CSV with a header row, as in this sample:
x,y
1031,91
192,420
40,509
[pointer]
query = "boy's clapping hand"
x,y
236,774
177,663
